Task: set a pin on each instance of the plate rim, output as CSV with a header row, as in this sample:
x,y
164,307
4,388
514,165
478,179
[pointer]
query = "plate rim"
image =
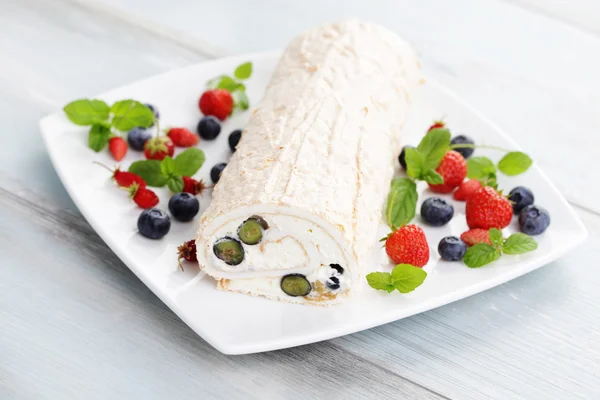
x,y
321,335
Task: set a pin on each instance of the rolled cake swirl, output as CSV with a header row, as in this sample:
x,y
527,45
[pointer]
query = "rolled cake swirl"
x,y
298,206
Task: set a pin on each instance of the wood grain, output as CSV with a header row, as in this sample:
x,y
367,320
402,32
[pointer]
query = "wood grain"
x,y
76,323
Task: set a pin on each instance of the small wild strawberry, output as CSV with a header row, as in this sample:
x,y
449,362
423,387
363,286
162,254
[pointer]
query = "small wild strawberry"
x,y
187,252
144,198
437,124
183,137
190,185
157,148
124,179
117,147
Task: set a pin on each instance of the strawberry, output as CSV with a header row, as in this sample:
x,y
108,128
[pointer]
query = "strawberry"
x,y
117,147
187,252
437,124
453,169
157,148
144,198
190,185
486,208
466,189
217,102
124,178
408,245
475,236
182,137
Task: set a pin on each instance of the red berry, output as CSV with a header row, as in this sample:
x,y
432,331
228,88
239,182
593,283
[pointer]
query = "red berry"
x,y
126,179
144,198
157,148
475,236
190,185
486,208
187,252
217,102
118,147
466,189
408,245
183,137
437,124
453,169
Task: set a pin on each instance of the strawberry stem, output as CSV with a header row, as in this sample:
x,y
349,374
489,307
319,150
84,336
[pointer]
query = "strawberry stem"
x,y
102,165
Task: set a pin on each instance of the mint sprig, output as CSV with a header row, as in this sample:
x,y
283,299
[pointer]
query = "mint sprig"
x,y
482,253
234,85
422,161
169,171
404,278
107,121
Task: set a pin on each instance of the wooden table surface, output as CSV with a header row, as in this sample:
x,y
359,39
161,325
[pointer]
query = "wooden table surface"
x,y
75,323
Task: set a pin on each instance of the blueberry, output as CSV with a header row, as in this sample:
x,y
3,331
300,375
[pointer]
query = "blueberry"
x,y
333,283
295,285
216,171
452,248
250,231
521,197
533,220
234,139
209,128
462,139
154,111
436,211
137,137
402,157
229,250
154,223
184,206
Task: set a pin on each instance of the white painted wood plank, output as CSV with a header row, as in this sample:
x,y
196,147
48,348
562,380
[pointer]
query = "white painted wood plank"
x,y
584,14
535,77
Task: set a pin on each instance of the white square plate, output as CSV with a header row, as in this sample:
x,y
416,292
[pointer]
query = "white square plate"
x,y
235,323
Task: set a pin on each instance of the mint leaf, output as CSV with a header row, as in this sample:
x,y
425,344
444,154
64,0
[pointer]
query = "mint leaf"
x,y
381,281
415,161
98,137
407,278
127,114
401,202
519,243
432,177
481,254
175,184
434,146
514,163
86,112
495,237
240,100
150,171
243,71
229,84
214,82
480,168
188,162
167,166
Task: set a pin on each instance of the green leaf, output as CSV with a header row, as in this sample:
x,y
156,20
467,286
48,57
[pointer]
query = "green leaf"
x,y
496,237
381,281
415,161
228,83
98,137
481,254
150,171
407,277
401,202
240,100
243,71
128,114
434,146
86,112
432,177
214,82
480,168
175,184
519,243
514,163
167,166
188,162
